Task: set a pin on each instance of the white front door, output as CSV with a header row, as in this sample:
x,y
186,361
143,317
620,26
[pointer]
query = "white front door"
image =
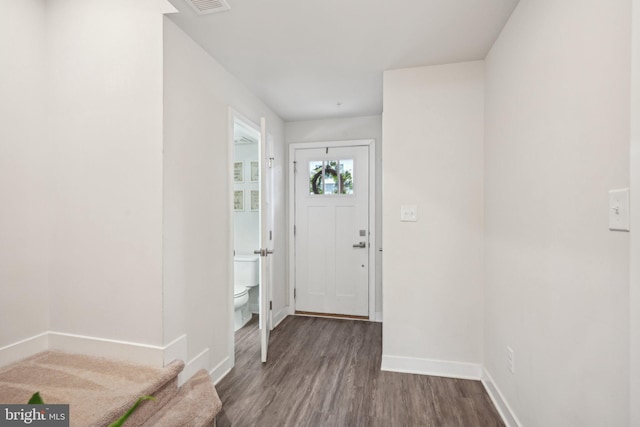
x,y
332,230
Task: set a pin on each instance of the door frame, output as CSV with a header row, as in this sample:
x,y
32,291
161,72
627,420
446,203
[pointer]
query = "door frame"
x,y
634,250
233,115
371,144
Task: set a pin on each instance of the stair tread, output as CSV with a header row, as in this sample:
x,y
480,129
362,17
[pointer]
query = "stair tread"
x,y
195,405
98,390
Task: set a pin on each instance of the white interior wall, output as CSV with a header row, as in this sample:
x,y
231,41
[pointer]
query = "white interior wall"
x,y
433,128
197,259
634,279
557,139
369,127
105,86
24,237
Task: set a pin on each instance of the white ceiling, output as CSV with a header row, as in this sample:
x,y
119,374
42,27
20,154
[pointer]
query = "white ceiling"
x,y
303,57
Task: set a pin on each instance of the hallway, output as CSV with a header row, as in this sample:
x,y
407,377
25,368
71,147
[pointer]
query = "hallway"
x,y
326,372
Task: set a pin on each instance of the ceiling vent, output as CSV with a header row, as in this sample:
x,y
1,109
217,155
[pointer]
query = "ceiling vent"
x,y
204,7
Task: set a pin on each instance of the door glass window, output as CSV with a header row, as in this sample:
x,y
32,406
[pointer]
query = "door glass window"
x,y
331,177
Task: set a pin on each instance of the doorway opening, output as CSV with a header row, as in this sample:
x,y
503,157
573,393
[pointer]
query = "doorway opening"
x,y
245,165
251,228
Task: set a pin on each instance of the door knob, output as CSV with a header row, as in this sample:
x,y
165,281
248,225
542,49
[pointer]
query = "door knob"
x,y
263,252
360,245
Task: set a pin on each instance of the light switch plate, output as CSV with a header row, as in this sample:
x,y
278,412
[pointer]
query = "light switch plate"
x,y
619,210
408,213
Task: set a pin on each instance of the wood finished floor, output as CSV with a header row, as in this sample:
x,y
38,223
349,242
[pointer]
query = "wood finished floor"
x,y
326,372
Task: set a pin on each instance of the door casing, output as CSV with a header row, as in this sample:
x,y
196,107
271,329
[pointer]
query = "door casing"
x,y
370,143
232,116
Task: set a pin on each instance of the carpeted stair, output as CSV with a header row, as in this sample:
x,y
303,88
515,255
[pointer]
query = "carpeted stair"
x,y
100,390
186,408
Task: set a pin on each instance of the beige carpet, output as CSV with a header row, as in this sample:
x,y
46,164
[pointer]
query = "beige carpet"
x,y
98,390
196,404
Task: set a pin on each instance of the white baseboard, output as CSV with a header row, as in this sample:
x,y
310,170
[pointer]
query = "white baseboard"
x,y
438,368
503,408
143,354
280,316
175,350
201,361
24,348
220,371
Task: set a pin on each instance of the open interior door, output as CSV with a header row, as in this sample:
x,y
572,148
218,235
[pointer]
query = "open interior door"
x,y
266,236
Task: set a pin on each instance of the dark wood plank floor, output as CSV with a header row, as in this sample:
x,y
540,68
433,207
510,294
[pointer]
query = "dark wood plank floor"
x,y
326,372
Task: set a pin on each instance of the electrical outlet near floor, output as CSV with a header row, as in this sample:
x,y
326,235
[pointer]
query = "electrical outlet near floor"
x,y
511,362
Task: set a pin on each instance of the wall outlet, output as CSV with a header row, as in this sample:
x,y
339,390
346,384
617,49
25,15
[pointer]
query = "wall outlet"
x,y
511,362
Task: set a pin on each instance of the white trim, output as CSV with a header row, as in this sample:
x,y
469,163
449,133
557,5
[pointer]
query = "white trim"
x,y
124,350
175,350
143,354
371,144
378,317
233,114
201,361
24,348
231,341
634,252
437,368
221,370
280,316
291,227
501,404
270,220
373,246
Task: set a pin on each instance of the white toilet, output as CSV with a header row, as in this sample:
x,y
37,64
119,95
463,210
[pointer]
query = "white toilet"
x,y
245,272
241,313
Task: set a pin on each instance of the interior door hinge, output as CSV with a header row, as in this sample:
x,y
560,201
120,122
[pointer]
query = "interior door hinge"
x,y
294,231
270,305
294,293
270,235
295,167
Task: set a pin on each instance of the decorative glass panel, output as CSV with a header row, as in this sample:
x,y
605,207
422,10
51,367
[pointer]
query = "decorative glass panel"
x,y
315,177
331,177
346,176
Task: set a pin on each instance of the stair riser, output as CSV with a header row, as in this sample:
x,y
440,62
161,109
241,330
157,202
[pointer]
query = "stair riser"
x,y
149,407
